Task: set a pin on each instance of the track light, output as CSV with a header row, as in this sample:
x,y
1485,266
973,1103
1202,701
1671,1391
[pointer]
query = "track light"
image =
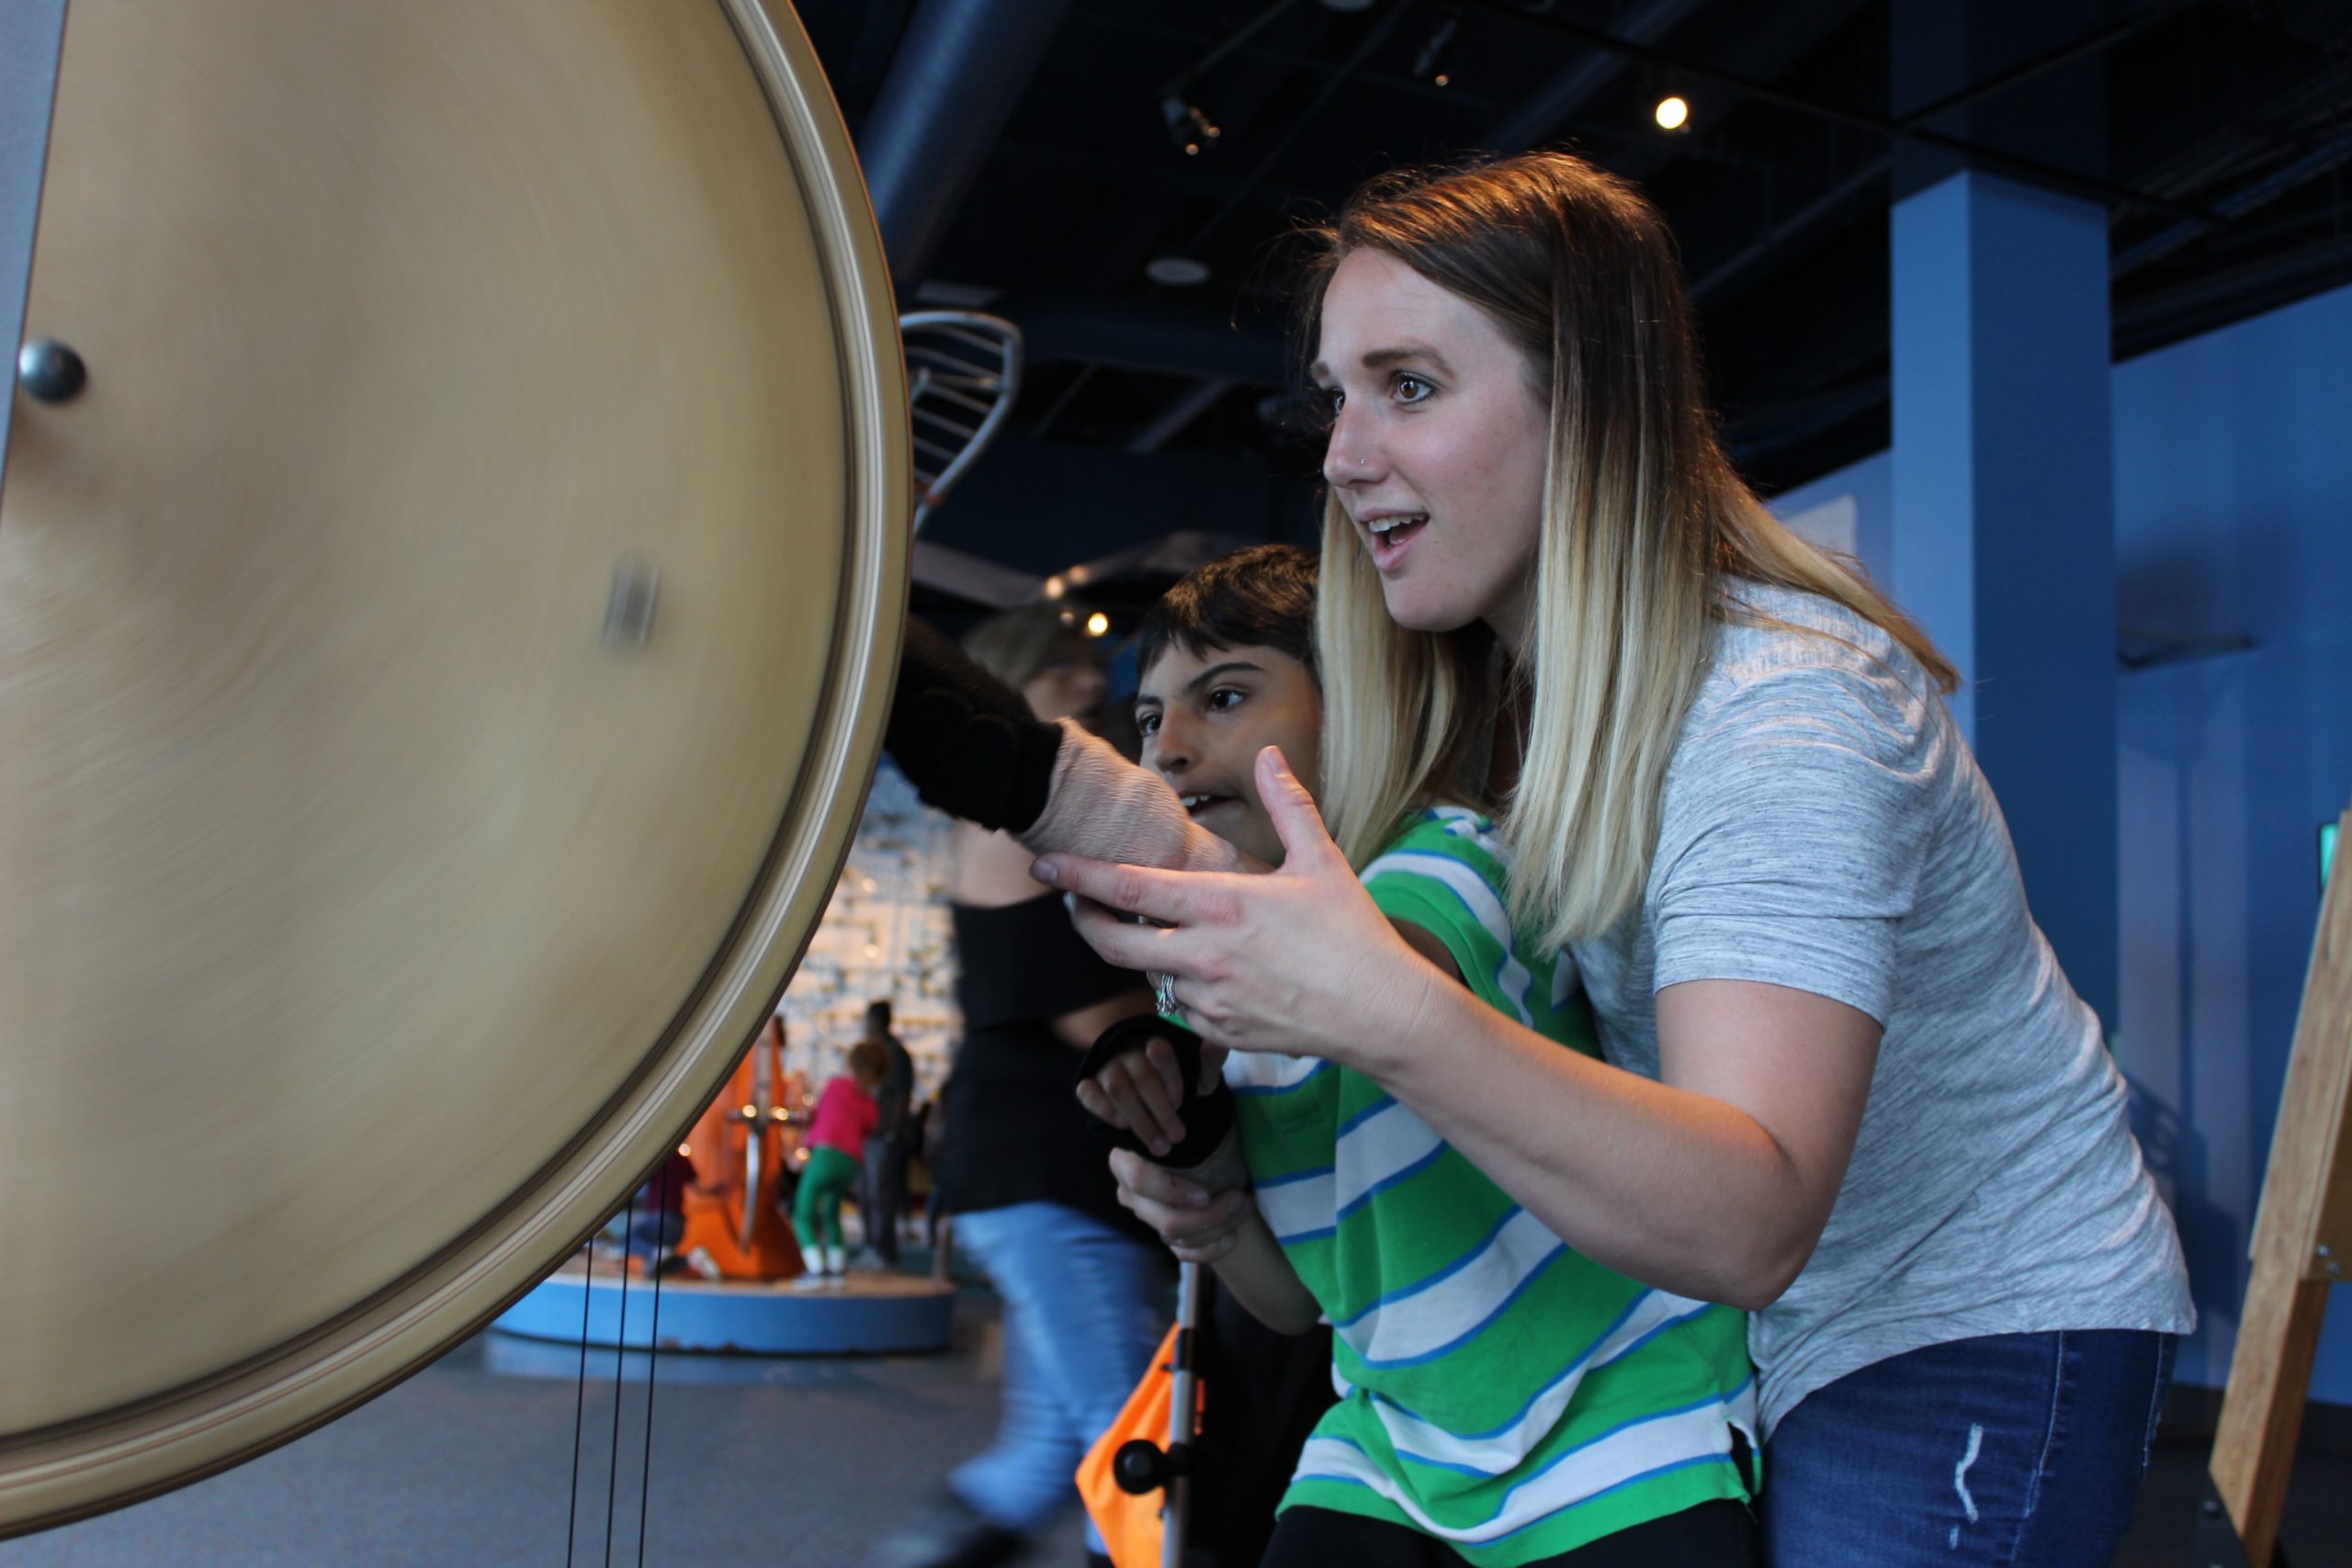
x,y
1188,125
1430,64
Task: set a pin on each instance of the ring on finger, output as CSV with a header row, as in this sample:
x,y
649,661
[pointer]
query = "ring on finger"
x,y
1163,989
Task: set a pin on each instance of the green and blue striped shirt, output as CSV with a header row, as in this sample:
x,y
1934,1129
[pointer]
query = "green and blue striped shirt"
x,y
1498,1391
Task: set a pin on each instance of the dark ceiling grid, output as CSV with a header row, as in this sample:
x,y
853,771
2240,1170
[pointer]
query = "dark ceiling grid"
x,y
2229,123
2269,128
1831,42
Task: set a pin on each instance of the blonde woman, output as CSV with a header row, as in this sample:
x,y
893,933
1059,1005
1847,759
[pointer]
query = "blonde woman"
x,y
1846,1085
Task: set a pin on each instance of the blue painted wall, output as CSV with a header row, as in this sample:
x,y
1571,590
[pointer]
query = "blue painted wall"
x,y
2234,519
1869,487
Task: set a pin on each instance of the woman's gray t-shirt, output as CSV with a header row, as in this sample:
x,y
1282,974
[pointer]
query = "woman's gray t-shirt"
x,y
1825,827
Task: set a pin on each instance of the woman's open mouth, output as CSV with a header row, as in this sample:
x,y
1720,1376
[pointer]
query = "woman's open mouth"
x,y
1391,536
1196,802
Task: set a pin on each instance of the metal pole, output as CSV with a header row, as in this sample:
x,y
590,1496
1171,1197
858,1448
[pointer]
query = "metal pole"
x,y
1176,1500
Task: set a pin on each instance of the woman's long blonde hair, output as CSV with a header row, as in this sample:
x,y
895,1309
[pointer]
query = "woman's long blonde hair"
x,y
1646,523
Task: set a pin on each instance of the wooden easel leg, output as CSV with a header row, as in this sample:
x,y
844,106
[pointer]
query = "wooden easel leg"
x,y
2302,1234
2262,1414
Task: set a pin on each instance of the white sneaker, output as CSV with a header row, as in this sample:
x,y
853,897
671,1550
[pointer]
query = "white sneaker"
x,y
811,1282
705,1266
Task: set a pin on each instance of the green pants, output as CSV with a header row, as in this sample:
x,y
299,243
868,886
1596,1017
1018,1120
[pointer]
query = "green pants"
x,y
825,1181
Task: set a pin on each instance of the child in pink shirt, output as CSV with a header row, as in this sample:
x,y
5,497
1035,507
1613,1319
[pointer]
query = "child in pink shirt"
x,y
845,1113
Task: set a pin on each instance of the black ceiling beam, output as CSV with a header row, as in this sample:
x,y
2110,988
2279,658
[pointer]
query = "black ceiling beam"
x,y
1568,89
1710,287
1372,38
1141,334
2031,170
2098,41
1771,45
2324,159
1290,59
1717,279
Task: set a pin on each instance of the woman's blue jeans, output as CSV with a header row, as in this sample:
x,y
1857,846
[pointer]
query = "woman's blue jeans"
x,y
1084,1307
2022,1450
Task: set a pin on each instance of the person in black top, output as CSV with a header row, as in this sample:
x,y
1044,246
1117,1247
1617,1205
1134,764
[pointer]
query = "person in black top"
x,y
1085,1286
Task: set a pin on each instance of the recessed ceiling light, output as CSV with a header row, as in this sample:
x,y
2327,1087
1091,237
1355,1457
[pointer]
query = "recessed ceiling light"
x,y
1673,112
1176,272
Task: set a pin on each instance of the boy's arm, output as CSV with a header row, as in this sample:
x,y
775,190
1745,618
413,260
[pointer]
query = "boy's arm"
x,y
1260,1277
1426,943
1227,1234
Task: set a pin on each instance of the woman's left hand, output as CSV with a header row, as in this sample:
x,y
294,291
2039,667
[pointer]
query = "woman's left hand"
x,y
1299,960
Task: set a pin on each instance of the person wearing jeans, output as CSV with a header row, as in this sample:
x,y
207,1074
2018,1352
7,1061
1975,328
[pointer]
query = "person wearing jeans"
x,y
1084,1307
1085,1288
1954,1447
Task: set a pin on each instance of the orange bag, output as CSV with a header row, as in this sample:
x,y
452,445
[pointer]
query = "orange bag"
x,y
1130,1525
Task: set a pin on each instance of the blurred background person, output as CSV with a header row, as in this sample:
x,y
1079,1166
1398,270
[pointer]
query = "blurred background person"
x,y
882,1198
1085,1288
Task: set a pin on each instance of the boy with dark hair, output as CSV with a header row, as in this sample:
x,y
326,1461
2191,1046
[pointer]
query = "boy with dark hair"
x,y
1263,597
1227,668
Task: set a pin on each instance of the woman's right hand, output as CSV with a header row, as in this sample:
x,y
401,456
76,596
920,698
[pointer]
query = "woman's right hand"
x,y
1198,1225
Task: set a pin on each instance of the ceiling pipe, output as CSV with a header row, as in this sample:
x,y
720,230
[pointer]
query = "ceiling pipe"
x,y
959,69
1173,418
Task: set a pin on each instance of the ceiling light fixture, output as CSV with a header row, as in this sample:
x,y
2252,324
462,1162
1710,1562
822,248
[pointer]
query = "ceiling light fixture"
x,y
1673,112
1188,125
1429,63
1176,272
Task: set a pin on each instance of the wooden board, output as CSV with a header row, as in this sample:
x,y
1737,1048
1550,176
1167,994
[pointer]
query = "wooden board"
x,y
2299,1244
372,913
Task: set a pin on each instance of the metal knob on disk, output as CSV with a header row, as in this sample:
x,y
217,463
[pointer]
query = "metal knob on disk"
x,y
50,372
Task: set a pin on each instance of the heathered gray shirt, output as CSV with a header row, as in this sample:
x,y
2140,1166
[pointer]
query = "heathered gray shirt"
x,y
1825,827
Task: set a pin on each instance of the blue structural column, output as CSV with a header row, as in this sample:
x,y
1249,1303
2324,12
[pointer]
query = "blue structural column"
x,y
2004,527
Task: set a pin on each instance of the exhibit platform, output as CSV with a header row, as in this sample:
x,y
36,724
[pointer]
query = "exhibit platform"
x,y
866,1314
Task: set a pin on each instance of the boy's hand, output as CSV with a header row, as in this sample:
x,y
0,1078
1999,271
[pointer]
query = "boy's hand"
x,y
1198,1223
1141,1092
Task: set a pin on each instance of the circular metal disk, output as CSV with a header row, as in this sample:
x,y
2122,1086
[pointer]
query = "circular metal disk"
x,y
441,652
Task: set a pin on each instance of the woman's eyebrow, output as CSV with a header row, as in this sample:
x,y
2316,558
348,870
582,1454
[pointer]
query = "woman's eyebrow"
x,y
1382,358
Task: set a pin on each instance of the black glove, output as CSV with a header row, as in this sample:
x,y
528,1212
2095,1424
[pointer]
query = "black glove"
x,y
1208,1117
965,739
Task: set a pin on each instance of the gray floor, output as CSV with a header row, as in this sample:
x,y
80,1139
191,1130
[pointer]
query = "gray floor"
x,y
755,1462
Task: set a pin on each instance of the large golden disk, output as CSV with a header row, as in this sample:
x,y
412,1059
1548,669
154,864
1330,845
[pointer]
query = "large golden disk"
x,y
376,902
